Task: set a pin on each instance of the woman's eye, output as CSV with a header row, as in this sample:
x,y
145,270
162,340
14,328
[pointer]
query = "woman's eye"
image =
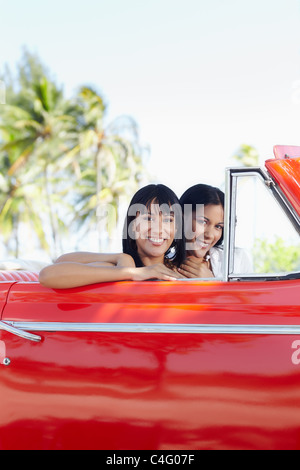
x,y
168,220
147,217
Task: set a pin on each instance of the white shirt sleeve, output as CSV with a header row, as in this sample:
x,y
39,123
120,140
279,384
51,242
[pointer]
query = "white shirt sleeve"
x,y
242,261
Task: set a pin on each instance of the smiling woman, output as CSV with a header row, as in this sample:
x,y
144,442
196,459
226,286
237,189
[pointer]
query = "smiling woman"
x,y
203,209
153,227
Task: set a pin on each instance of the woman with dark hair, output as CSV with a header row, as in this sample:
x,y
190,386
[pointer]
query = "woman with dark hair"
x,y
153,227
203,209
148,205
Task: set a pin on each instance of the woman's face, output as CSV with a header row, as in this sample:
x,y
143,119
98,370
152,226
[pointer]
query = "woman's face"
x,y
155,231
207,229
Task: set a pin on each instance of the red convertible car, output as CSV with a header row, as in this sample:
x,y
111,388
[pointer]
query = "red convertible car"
x,y
191,364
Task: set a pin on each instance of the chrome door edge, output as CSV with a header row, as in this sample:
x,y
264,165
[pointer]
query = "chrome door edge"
x,y
158,328
14,330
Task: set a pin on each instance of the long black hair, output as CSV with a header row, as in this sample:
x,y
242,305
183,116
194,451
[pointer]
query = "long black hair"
x,y
203,194
161,195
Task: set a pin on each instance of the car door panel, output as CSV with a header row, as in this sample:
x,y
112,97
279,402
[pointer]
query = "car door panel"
x,y
152,366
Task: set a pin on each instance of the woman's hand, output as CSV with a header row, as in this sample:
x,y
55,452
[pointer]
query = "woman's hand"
x,y
195,267
156,271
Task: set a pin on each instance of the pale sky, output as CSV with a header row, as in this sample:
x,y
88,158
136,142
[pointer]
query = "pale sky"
x,y
199,77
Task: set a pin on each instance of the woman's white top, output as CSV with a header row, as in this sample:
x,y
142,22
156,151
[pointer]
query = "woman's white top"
x,y
242,262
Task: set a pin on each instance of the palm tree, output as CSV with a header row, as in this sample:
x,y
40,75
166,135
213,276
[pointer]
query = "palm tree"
x,y
37,127
58,162
110,162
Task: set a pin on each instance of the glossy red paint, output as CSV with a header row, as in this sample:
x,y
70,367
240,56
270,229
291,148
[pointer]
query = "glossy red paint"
x,y
8,278
191,302
4,289
108,390
286,173
129,388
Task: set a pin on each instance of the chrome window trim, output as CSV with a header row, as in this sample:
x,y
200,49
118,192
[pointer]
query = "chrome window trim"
x,y
157,328
228,227
230,216
288,276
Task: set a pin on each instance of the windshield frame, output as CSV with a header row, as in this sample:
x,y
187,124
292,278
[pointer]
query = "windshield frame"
x,y
232,175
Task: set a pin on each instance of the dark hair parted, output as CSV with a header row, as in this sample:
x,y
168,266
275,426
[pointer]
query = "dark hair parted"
x,y
203,194
161,195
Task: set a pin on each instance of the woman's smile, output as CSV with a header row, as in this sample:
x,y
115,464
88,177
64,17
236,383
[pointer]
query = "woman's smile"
x,y
207,229
201,245
157,241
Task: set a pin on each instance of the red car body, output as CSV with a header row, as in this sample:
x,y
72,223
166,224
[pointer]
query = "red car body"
x,y
154,365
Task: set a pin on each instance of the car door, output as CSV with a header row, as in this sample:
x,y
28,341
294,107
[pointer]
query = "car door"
x,y
153,365
5,285
200,364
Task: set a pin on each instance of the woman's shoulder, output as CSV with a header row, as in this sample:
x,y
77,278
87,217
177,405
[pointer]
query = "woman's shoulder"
x,y
216,252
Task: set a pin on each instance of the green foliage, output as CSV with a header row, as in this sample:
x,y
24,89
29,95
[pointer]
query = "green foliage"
x,y
247,156
276,257
58,159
